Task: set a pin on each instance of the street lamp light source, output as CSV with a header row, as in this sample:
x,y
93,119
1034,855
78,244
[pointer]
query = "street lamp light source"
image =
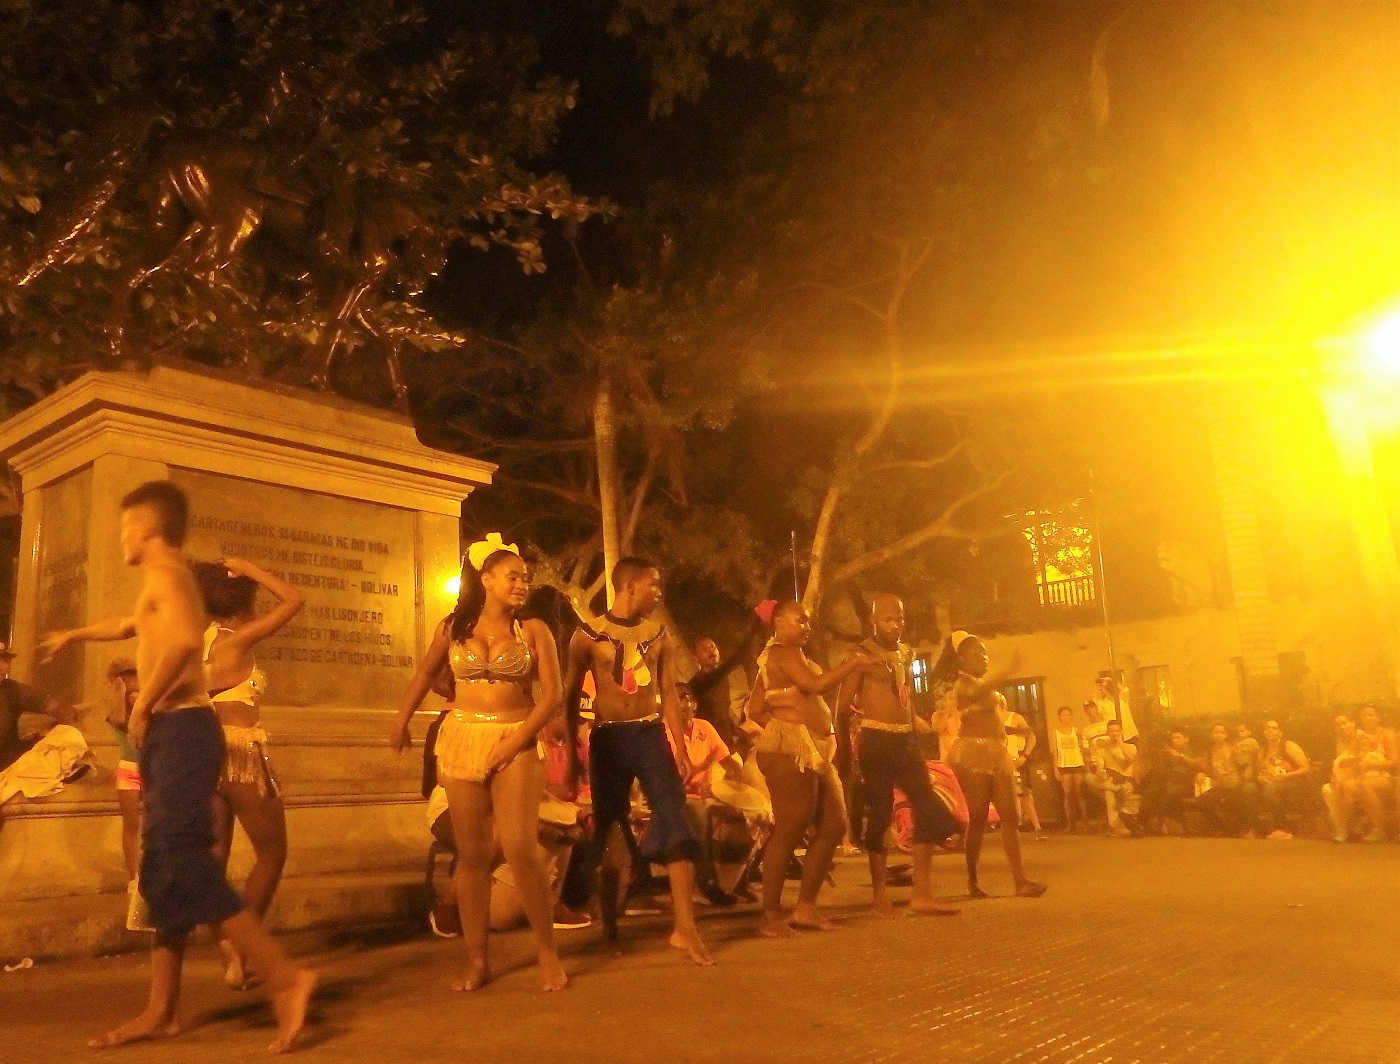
x,y
1383,344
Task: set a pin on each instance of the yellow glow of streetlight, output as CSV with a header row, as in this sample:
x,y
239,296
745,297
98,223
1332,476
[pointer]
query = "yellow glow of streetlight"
x,y
1383,344
452,585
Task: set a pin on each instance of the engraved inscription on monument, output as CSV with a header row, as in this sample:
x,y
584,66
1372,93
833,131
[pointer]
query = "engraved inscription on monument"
x,y
354,643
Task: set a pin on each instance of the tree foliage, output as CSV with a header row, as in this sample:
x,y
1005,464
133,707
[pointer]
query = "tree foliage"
x,y
448,122
899,136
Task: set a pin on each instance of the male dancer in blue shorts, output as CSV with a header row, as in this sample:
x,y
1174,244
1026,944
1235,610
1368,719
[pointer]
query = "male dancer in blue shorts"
x,y
632,662
182,752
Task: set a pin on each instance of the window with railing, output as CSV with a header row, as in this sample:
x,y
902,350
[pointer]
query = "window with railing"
x,y
1062,549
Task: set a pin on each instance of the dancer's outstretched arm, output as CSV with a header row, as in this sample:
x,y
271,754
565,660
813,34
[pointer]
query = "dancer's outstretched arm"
x,y
110,630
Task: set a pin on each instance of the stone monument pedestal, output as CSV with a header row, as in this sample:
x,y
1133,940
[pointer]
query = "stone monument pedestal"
x,y
339,499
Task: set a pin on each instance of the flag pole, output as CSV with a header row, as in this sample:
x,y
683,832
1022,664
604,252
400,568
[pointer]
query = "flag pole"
x,y
796,594
1103,594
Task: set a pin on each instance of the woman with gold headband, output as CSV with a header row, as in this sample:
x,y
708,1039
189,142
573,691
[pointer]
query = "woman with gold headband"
x,y
248,790
488,750
794,754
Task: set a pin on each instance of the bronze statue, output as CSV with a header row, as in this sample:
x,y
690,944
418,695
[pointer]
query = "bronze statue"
x,y
279,200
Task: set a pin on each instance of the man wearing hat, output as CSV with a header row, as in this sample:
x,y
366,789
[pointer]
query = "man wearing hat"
x,y
16,700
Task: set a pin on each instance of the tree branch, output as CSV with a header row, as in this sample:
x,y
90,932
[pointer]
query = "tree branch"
x,y
578,443
639,498
919,463
940,528
578,498
845,296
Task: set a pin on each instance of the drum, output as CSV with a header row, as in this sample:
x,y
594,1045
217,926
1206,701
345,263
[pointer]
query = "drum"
x,y
741,798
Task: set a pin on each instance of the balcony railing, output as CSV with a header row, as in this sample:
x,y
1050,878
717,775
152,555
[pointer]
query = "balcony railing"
x,y
1072,591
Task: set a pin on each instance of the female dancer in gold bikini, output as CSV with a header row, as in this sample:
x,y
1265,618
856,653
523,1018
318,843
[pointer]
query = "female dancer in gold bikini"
x,y
794,754
488,749
248,790
963,680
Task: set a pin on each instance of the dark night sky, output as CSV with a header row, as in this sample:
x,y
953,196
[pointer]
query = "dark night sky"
x,y
1242,151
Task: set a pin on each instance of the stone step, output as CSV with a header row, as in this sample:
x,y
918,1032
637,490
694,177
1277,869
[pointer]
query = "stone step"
x,y
95,925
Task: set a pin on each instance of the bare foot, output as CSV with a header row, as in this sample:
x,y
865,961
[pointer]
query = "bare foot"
x,y
614,947
289,1006
883,908
474,977
774,926
975,892
145,1028
932,907
809,918
237,976
552,974
1029,889
694,946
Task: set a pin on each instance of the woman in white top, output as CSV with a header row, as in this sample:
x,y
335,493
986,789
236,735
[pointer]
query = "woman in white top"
x,y
1067,745
248,791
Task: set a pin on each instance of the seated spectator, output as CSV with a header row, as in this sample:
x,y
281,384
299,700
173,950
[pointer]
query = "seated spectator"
x,y
577,887
17,700
1246,753
1282,769
1381,763
1347,790
1114,775
558,833
1231,802
121,674
444,918
560,839
705,750
1170,786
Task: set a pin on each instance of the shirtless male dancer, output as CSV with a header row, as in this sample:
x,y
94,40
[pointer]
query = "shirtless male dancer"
x,y
633,666
889,757
182,753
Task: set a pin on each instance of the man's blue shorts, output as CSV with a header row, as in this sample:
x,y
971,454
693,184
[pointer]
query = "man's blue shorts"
x,y
180,765
637,750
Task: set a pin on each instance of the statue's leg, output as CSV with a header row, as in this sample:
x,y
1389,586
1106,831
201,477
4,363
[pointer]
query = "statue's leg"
x,y
335,333
394,362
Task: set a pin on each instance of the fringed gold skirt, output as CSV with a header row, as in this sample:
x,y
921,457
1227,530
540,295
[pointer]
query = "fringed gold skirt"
x,y
464,746
793,740
245,759
987,757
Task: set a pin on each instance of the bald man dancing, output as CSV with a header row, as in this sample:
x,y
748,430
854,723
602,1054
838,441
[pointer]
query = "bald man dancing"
x,y
889,757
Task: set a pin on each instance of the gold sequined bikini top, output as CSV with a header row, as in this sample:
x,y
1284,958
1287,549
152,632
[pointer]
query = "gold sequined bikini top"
x,y
513,664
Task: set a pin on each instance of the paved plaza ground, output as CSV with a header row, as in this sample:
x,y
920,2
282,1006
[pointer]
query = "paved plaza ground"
x,y
1147,950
